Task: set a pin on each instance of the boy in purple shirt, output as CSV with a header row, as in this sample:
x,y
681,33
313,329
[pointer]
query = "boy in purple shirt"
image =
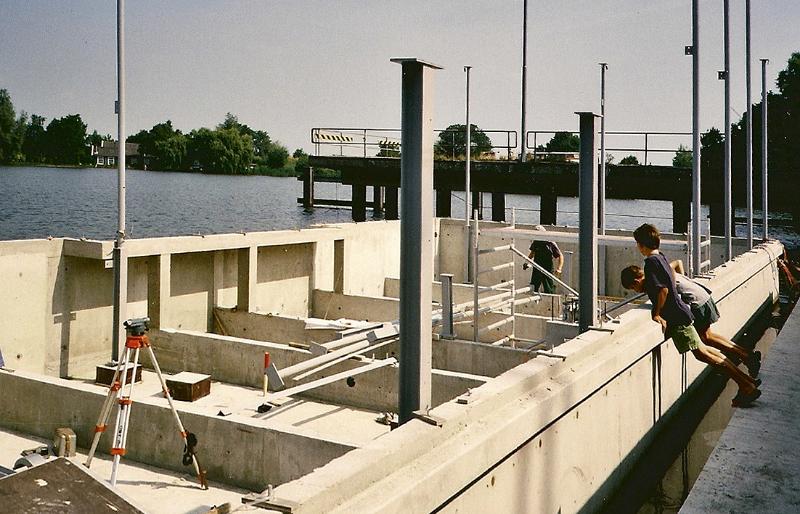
x,y
676,318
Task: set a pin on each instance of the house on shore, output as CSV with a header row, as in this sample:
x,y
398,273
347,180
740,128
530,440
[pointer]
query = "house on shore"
x,y
106,154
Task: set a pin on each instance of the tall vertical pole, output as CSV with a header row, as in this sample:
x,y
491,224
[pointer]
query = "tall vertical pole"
x,y
467,188
764,159
416,237
749,128
601,213
524,79
120,260
729,227
696,177
587,209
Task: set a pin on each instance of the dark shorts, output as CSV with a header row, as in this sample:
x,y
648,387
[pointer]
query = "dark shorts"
x,y
684,337
705,315
539,280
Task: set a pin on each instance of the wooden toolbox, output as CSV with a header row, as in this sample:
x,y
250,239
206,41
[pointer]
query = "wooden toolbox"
x,y
188,387
104,374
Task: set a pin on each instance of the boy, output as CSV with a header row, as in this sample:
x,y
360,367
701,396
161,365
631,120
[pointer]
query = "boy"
x,y
675,316
544,253
704,310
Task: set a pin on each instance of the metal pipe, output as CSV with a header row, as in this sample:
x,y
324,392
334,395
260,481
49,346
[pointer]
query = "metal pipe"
x,y
696,147
601,213
764,159
587,243
474,253
545,272
522,156
120,260
749,128
728,225
416,237
467,188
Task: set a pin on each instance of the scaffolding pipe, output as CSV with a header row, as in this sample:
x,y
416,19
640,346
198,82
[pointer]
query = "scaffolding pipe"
x,y
467,188
749,150
601,213
727,178
696,177
474,253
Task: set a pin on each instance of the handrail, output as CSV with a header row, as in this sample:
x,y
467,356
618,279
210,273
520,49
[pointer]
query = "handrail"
x,y
545,272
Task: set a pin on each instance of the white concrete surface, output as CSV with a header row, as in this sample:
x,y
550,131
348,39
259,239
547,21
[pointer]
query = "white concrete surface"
x,y
756,464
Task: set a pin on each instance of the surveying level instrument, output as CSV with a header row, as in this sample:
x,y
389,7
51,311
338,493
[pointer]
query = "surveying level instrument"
x,y
121,391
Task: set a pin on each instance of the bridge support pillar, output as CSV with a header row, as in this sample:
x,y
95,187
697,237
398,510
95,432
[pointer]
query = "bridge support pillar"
x,y
308,189
477,203
680,215
359,202
443,203
548,205
377,201
498,207
390,204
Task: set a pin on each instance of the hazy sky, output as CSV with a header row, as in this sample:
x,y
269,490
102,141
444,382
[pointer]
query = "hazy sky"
x,y
287,66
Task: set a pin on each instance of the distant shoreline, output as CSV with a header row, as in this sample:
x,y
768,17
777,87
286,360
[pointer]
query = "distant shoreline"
x,y
268,172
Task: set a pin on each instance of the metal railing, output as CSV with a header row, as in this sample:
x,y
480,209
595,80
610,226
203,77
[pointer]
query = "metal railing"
x,y
645,149
373,141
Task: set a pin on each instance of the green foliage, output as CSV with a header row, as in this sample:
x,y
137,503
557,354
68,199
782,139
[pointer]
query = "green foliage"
x,y
224,150
630,160
563,142
683,158
33,145
452,142
277,156
8,141
65,141
299,153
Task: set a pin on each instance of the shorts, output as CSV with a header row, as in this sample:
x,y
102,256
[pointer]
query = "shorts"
x,y
705,315
684,337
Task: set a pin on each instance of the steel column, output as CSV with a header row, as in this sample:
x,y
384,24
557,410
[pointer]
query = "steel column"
x,y
696,147
522,156
764,159
749,150
119,254
601,213
416,237
587,243
728,221
467,188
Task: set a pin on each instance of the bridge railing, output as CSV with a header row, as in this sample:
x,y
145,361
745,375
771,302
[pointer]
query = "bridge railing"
x,y
638,143
385,142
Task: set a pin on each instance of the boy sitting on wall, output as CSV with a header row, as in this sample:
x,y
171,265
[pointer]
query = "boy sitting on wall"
x,y
676,318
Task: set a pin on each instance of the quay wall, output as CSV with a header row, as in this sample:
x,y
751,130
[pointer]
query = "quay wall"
x,y
56,318
546,436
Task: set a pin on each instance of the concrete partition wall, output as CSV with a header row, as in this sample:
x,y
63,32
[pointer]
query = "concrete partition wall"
x,y
329,305
546,436
235,449
270,328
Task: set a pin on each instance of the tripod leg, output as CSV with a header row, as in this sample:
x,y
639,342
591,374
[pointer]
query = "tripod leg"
x,y
102,420
123,417
201,475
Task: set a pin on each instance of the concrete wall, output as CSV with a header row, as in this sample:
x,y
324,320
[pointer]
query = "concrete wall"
x,y
330,305
57,318
267,327
261,454
546,436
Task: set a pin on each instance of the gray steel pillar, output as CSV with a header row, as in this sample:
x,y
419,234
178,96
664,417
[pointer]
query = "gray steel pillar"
x,y
447,306
587,208
467,188
726,75
119,254
601,213
416,237
696,177
749,150
764,159
524,79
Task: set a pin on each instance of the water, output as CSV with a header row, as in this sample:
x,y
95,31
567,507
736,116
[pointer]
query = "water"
x,y
59,202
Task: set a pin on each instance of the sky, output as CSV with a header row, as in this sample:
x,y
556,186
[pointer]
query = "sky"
x,y
286,66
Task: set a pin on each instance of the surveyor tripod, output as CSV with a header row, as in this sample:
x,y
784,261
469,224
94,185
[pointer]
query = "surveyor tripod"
x,y
121,391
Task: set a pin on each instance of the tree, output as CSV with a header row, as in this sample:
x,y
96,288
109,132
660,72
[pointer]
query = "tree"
x,y
220,150
562,142
683,158
452,142
277,156
65,140
33,147
630,160
7,127
299,153
164,144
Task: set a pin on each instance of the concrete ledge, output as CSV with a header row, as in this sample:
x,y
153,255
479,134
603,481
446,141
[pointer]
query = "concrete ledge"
x,y
754,466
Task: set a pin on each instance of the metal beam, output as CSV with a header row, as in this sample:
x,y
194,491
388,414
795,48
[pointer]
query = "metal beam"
x,y
416,237
764,159
728,221
749,149
120,257
587,242
696,177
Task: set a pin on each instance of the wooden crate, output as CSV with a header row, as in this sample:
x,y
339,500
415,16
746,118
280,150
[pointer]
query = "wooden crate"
x,y
188,387
104,374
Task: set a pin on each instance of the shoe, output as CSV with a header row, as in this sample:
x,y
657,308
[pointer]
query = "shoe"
x,y
753,363
757,382
744,400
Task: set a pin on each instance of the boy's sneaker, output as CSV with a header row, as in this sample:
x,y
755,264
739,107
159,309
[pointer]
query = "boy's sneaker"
x,y
753,363
744,400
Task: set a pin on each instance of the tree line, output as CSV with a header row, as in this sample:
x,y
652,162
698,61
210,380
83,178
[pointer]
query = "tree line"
x,y
231,147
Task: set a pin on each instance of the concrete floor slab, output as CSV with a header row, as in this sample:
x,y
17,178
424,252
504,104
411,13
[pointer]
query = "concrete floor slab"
x,y
151,488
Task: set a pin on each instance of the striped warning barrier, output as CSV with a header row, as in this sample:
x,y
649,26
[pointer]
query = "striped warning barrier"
x,y
332,136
